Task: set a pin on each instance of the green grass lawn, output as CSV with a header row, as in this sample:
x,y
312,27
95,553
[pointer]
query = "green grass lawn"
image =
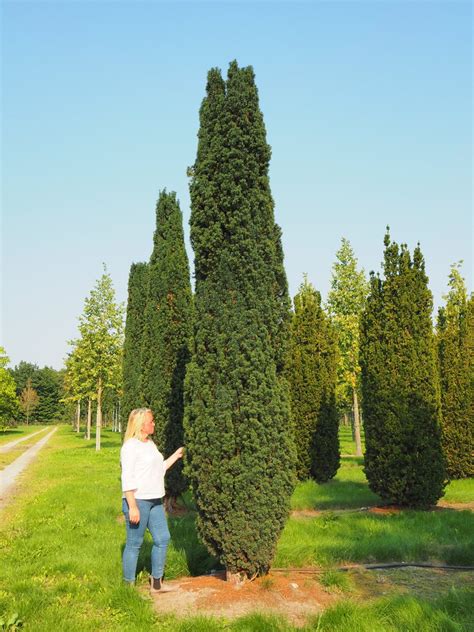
x,y
61,540
17,450
346,443
460,491
12,434
409,536
347,490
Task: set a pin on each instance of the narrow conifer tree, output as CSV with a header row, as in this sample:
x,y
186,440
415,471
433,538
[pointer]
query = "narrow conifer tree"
x,y
403,459
167,332
455,333
134,328
312,378
238,435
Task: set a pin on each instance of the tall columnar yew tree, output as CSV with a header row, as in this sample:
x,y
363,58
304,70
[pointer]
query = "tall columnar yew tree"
x,y
167,333
403,458
345,303
455,338
312,377
134,330
238,435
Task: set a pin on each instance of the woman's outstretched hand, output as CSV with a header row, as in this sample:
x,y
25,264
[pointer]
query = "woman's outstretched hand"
x,y
171,460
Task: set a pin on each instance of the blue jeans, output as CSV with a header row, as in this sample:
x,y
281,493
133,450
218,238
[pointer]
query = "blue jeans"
x,y
152,515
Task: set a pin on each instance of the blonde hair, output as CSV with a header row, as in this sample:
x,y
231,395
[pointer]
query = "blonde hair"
x,y
135,423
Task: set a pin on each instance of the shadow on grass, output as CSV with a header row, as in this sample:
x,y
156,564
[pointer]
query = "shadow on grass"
x,y
185,540
13,432
363,537
186,554
90,444
336,494
352,460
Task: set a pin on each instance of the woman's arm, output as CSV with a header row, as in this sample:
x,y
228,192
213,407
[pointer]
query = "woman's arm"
x,y
128,458
171,460
134,512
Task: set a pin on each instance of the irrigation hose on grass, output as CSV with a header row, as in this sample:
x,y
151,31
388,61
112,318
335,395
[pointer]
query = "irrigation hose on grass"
x,y
373,567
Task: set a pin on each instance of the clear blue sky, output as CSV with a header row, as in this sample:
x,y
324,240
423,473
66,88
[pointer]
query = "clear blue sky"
x,y
367,107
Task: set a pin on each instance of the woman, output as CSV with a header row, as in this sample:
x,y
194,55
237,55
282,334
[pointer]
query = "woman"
x,y
143,486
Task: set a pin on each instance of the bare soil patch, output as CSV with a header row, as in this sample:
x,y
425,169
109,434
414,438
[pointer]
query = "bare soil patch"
x,y
294,596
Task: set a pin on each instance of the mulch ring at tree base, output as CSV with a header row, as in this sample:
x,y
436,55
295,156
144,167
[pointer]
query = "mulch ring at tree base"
x,y
294,596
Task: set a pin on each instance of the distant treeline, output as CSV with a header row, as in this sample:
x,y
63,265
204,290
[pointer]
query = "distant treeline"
x,y
39,392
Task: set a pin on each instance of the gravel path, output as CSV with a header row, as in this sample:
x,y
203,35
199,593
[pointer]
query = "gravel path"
x,y
8,446
10,473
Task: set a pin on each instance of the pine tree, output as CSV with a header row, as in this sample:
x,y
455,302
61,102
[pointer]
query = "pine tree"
x,y
238,435
134,330
167,333
312,378
345,303
403,459
455,333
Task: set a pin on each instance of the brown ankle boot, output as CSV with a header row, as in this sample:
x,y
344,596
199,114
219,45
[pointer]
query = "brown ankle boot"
x,y
155,584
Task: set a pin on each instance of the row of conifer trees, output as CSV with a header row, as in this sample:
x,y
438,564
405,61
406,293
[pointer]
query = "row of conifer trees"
x,y
223,368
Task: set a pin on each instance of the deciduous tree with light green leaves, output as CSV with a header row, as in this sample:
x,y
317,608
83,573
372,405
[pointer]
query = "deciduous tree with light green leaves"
x,y
345,303
100,346
167,332
455,334
400,394
79,384
9,403
240,453
312,378
29,400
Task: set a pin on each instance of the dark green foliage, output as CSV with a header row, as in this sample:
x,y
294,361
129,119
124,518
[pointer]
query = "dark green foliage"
x,y
48,383
134,329
455,337
239,447
312,376
403,459
168,329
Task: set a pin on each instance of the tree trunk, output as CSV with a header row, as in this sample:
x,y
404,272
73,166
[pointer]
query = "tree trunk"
x,y
357,422
119,418
346,420
89,419
234,578
78,415
98,419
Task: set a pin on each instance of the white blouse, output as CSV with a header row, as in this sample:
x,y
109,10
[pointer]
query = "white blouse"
x,y
142,469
